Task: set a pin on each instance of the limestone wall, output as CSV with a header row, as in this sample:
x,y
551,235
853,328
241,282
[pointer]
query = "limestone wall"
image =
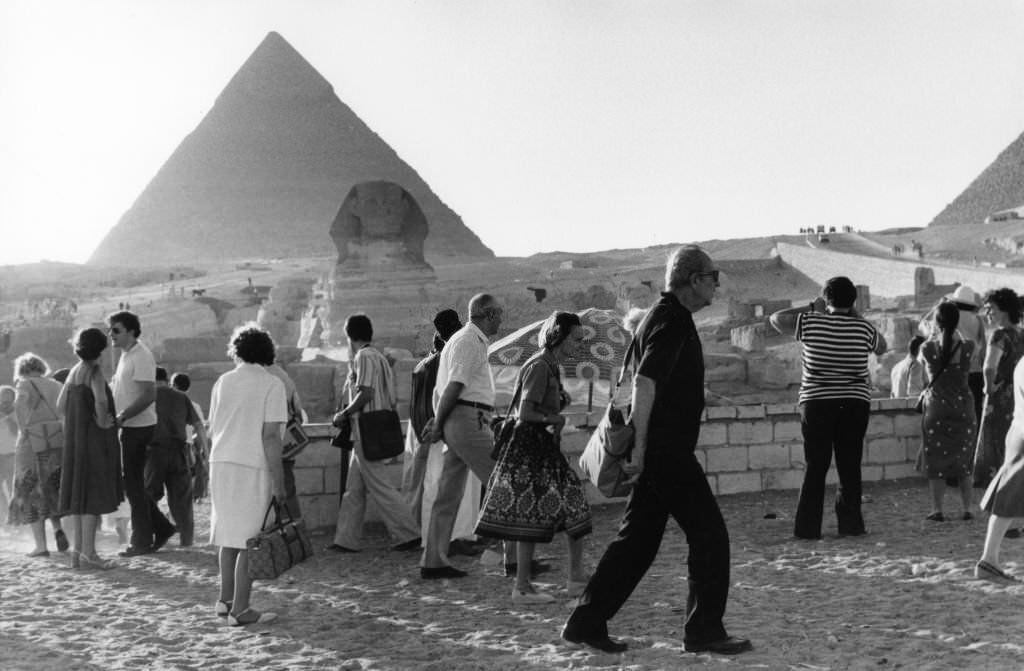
x,y
748,448
892,277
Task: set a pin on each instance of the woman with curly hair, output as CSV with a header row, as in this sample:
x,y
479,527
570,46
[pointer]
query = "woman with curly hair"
x,y
38,453
1005,347
248,409
533,492
90,483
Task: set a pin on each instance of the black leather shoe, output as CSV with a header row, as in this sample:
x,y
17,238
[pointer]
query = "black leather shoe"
x,y
161,539
600,641
464,548
334,547
439,572
408,546
133,551
536,568
730,645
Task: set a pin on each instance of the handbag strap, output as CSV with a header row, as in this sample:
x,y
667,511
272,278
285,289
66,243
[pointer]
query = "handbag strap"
x,y
41,398
942,367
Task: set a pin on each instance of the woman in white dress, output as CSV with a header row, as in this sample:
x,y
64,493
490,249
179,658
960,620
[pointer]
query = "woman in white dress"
x,y
247,413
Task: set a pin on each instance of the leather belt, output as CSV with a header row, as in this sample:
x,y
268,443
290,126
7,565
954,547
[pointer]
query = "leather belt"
x,y
474,404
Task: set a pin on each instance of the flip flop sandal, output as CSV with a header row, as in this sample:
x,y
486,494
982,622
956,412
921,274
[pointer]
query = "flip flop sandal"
x,y
250,616
986,571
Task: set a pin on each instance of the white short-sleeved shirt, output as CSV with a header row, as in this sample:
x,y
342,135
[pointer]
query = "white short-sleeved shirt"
x,y
135,366
242,401
464,359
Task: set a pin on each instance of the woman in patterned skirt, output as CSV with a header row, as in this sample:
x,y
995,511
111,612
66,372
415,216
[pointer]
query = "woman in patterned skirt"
x,y
948,426
533,492
1005,347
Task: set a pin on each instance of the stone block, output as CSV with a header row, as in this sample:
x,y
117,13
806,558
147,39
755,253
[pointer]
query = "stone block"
x,y
761,457
772,372
781,409
872,473
750,411
749,338
332,479
318,453
787,479
724,368
736,483
892,403
749,433
712,483
722,459
900,471
192,350
319,512
879,425
712,434
720,412
315,383
885,450
907,425
309,480
787,430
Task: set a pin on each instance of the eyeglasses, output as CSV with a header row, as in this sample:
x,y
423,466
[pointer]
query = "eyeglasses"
x,y
713,274
116,331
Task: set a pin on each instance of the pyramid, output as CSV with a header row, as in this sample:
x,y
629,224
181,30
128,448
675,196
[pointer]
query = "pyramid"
x,y
1000,186
264,173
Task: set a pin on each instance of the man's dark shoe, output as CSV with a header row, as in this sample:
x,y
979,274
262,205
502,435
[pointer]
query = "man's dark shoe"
x,y
464,548
334,547
730,645
439,572
408,546
161,539
601,641
135,551
536,568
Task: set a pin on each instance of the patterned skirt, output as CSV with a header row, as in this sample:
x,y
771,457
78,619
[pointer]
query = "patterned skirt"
x,y
533,492
36,485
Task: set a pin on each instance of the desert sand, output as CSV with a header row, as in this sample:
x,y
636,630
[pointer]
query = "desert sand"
x,y
901,597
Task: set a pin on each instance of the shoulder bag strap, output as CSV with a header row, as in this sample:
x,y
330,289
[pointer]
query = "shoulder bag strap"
x,y
942,367
42,399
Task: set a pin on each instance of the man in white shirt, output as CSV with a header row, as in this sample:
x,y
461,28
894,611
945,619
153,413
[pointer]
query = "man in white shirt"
x,y
907,376
134,388
463,407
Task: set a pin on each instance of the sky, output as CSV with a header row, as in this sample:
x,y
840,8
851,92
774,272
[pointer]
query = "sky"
x,y
574,125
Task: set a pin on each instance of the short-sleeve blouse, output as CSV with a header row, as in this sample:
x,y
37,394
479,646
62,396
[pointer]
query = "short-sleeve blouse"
x,y
541,383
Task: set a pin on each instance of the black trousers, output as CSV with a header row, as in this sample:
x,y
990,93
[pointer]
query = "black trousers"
x,y
671,485
832,425
291,500
168,468
134,443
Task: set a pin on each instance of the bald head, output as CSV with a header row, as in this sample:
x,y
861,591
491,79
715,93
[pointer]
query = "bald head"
x,y
486,313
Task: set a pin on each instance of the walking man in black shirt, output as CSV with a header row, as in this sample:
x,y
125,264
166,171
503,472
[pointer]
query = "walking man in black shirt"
x,y
668,401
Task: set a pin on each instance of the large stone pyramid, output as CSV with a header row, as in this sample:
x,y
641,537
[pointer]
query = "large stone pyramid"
x,y
1000,186
264,173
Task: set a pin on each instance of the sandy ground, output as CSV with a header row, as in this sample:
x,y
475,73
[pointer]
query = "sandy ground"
x,y
901,597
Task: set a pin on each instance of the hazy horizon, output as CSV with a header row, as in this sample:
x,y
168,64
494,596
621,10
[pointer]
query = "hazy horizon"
x,y
544,125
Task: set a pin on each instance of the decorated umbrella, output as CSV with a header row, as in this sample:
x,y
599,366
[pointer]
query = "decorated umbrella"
x,y
589,375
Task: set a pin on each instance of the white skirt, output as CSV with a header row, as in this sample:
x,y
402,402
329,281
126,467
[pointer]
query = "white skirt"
x,y
239,498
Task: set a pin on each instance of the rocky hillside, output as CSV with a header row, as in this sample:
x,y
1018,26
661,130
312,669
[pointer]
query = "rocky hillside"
x,y
265,172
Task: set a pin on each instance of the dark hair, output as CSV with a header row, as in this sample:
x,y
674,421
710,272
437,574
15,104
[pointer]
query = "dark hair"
x,y
89,343
947,317
447,323
840,292
128,320
915,345
251,344
161,374
359,327
556,329
1007,301
60,375
181,381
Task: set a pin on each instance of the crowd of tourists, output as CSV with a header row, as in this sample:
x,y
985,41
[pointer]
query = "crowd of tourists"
x,y
74,448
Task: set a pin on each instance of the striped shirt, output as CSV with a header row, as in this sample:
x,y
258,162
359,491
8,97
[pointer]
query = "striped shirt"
x,y
370,368
835,355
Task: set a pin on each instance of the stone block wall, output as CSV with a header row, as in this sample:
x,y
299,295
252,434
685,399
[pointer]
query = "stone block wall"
x,y
746,448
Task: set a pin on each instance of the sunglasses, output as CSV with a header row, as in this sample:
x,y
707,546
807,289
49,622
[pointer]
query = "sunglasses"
x,y
713,274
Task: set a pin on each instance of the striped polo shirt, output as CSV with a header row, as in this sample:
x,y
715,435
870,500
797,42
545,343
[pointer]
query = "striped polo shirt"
x,y
835,356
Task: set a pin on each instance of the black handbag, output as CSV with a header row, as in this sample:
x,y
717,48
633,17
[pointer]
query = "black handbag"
x,y
380,431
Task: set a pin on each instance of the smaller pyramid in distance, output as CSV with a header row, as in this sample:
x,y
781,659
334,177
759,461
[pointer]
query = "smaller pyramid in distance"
x,y
264,174
1000,186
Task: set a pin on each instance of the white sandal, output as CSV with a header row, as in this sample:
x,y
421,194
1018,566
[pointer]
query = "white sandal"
x,y
250,616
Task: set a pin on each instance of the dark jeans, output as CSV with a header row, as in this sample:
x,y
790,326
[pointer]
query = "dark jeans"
x,y
167,467
134,441
670,485
832,425
291,499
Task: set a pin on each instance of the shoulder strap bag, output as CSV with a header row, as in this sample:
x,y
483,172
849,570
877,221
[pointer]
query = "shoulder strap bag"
x,y
919,407
380,431
611,442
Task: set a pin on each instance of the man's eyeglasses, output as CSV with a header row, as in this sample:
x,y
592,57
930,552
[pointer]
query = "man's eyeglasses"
x,y
713,274
116,331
